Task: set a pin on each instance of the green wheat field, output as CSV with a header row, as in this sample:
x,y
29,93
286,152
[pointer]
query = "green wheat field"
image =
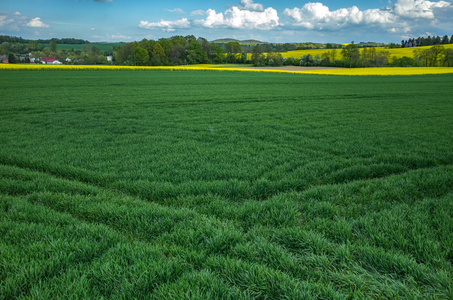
x,y
225,185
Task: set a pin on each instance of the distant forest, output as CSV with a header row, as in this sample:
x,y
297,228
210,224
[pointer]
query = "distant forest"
x,y
14,39
429,41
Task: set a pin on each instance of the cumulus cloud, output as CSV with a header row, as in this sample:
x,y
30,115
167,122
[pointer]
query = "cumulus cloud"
x,y
235,17
168,26
418,8
403,16
37,23
247,15
249,5
317,16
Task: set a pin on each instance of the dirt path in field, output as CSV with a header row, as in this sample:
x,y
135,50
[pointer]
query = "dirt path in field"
x,y
286,68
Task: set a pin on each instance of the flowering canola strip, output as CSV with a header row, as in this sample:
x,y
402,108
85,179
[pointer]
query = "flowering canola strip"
x,y
394,52
344,71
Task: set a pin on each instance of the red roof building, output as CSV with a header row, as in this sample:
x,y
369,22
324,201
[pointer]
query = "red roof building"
x,y
48,60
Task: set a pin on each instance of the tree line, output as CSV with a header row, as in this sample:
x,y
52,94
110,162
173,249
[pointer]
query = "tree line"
x,y
14,39
184,50
429,41
351,57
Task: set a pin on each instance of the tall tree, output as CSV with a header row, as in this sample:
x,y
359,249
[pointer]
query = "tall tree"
x,y
257,55
219,54
437,51
141,56
351,54
233,47
196,55
425,56
166,45
158,56
368,56
447,60
125,54
381,58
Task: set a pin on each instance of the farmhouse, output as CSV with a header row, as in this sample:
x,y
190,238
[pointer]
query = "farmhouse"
x,y
50,61
4,59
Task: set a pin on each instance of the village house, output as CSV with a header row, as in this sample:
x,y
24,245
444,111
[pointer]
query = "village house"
x,y
4,59
50,61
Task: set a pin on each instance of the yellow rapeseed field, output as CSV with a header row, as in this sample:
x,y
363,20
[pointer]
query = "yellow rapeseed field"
x,y
385,71
96,67
297,54
398,52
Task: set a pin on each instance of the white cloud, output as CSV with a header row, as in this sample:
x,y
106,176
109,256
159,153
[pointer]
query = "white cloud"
x,y
249,5
37,23
317,16
198,12
247,15
413,9
399,17
234,17
168,26
176,10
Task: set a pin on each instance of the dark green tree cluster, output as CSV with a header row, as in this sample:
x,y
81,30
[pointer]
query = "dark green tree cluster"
x,y
429,41
14,39
437,55
177,50
352,57
260,58
21,48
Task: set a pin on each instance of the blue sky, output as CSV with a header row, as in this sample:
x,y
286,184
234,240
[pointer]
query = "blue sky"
x,y
265,20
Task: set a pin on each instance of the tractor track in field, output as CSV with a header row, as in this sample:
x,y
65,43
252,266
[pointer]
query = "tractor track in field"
x,y
109,186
